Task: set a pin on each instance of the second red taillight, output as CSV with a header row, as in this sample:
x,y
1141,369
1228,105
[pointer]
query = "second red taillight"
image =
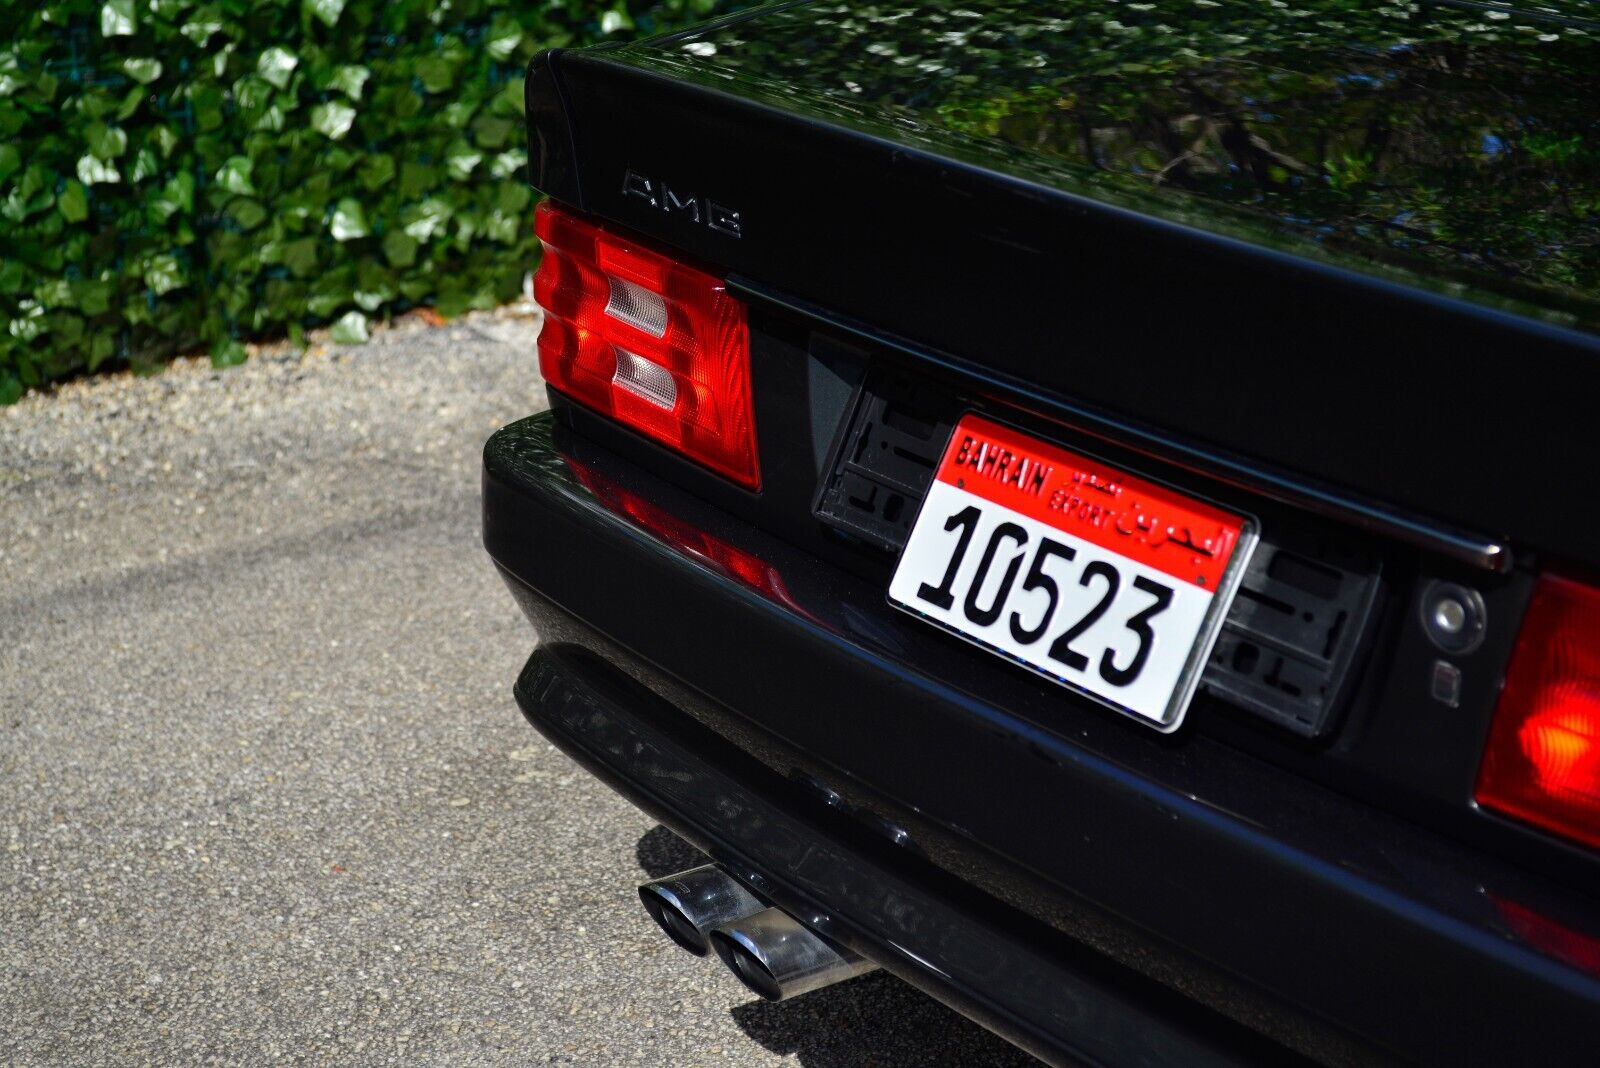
x,y
656,345
1542,761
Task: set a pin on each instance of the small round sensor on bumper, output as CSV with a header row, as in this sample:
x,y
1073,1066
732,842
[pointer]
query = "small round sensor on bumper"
x,y
1453,616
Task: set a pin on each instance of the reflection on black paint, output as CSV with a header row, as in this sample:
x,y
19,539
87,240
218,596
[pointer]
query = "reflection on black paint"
x,y
1452,147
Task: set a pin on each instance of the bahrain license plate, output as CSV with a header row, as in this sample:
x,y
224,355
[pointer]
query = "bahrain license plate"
x,y
1107,583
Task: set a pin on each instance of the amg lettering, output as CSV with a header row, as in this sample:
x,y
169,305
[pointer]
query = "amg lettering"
x,y
697,209
637,185
670,201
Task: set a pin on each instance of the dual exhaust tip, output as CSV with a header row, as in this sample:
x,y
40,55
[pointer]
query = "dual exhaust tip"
x,y
773,954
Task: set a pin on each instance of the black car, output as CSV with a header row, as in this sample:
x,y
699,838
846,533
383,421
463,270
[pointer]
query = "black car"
x,y
1093,508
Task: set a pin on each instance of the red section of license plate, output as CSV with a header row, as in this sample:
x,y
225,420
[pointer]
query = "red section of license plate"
x,y
1187,539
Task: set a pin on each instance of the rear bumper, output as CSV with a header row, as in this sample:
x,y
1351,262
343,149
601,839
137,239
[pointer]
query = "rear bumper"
x,y
775,713
765,829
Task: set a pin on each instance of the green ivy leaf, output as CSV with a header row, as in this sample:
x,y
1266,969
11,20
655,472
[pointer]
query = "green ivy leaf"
x,y
248,213
205,23
437,74
207,100
373,288
271,119
376,172
506,164
513,199
350,80
330,291
460,159
234,176
28,323
106,142
176,196
327,11
55,293
101,346
400,248
351,329
339,159
145,166
165,139
142,70
349,221
131,102
219,60
95,172
117,19
10,160
252,94
416,179
229,353
73,203
163,274
301,256
503,39
458,113
403,104
66,330
453,300
332,119
277,65
512,99
492,132
93,297
422,221
502,228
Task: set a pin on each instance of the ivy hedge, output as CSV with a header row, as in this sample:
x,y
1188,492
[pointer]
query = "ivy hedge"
x,y
183,174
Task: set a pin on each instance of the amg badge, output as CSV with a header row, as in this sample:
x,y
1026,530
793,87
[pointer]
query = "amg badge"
x,y
703,210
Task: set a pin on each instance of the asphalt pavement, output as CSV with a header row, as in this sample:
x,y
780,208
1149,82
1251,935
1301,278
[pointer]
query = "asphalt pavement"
x,y
265,796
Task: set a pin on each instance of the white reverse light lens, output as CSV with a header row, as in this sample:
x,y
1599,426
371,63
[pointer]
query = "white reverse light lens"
x,y
646,378
637,306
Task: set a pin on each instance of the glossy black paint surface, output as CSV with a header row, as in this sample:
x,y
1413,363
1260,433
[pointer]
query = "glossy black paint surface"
x,y
1244,885
1438,146
1258,353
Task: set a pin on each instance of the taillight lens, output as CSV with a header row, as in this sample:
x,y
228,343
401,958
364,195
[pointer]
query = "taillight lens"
x,y
654,344
1542,760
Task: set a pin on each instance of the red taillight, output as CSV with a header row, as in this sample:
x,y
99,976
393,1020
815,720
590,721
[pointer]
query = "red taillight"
x,y
656,345
1542,760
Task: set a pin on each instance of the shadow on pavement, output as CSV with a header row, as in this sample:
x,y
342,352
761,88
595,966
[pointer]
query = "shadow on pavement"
x,y
876,1020
661,853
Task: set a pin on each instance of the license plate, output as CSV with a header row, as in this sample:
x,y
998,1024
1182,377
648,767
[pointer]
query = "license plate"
x,y
1105,582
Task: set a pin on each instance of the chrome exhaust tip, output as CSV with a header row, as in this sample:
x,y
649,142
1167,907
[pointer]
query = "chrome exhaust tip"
x,y
689,904
778,957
